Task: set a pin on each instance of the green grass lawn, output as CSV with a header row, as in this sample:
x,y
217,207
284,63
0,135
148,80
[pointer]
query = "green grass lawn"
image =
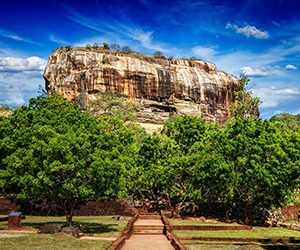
x,y
194,222
53,241
257,232
99,226
102,226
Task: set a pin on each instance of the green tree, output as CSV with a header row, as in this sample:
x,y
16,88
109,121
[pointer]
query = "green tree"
x,y
244,105
112,104
266,159
186,131
153,171
199,170
88,46
95,45
126,49
292,121
106,46
68,48
54,152
158,54
115,47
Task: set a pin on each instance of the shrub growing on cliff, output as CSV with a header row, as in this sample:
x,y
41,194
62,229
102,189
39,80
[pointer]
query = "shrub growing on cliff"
x,y
54,152
158,54
106,46
68,48
126,49
115,47
245,105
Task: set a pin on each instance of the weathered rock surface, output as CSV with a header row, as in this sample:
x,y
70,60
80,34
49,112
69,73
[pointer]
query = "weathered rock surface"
x,y
51,228
162,87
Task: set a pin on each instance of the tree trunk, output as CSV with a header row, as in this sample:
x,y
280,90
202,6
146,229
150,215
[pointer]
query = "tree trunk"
x,y
170,205
246,213
69,220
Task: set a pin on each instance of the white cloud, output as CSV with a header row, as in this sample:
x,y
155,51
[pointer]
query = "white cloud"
x,y
11,35
248,31
275,91
19,64
273,97
11,94
290,67
204,53
20,78
145,38
57,40
261,72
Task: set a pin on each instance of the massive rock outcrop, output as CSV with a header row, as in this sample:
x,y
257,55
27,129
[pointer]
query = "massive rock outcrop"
x,y
162,87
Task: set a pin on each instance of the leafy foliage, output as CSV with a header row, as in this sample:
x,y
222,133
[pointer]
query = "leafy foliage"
x,y
292,121
245,105
115,47
54,152
266,159
50,150
158,54
126,49
106,46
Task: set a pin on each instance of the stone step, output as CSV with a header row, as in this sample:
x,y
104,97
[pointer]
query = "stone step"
x,y
149,217
148,229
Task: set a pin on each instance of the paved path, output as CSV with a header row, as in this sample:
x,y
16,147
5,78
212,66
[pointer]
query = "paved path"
x,y
145,241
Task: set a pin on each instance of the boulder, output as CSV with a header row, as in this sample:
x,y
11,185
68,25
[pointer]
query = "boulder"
x,y
72,231
51,228
161,87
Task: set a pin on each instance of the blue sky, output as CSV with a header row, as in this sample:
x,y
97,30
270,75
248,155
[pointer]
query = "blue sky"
x,y
257,38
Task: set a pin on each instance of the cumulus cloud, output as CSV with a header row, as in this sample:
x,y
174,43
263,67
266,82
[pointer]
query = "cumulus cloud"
x,y
273,97
261,72
11,94
19,64
248,31
286,91
290,67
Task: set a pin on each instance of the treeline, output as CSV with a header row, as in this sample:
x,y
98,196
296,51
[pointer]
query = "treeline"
x,y
52,151
124,49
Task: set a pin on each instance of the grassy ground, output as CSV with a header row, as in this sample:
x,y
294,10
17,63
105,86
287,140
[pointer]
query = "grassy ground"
x,y
195,222
99,226
257,232
56,241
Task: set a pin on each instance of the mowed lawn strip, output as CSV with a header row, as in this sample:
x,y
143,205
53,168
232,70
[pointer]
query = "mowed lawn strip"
x,y
51,241
257,232
101,226
195,222
98,226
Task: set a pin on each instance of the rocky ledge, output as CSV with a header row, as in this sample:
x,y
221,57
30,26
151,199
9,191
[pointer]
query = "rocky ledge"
x,y
162,87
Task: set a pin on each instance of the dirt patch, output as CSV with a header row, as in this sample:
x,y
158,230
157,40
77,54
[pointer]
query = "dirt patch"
x,y
290,212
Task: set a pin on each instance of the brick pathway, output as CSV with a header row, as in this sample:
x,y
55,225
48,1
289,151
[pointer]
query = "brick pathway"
x,y
148,235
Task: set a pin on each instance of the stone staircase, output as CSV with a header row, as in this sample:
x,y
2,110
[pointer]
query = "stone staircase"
x,y
148,224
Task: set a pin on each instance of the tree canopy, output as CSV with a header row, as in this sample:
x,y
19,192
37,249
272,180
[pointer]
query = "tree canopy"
x,y
54,152
245,105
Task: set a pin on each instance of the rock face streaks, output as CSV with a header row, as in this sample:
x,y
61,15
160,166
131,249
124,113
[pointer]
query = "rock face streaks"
x,y
162,87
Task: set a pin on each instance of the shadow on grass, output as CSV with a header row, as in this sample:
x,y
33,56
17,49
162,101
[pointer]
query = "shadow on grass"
x,y
87,228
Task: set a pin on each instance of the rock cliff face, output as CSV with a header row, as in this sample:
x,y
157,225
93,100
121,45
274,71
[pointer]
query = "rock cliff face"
x,y
162,87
